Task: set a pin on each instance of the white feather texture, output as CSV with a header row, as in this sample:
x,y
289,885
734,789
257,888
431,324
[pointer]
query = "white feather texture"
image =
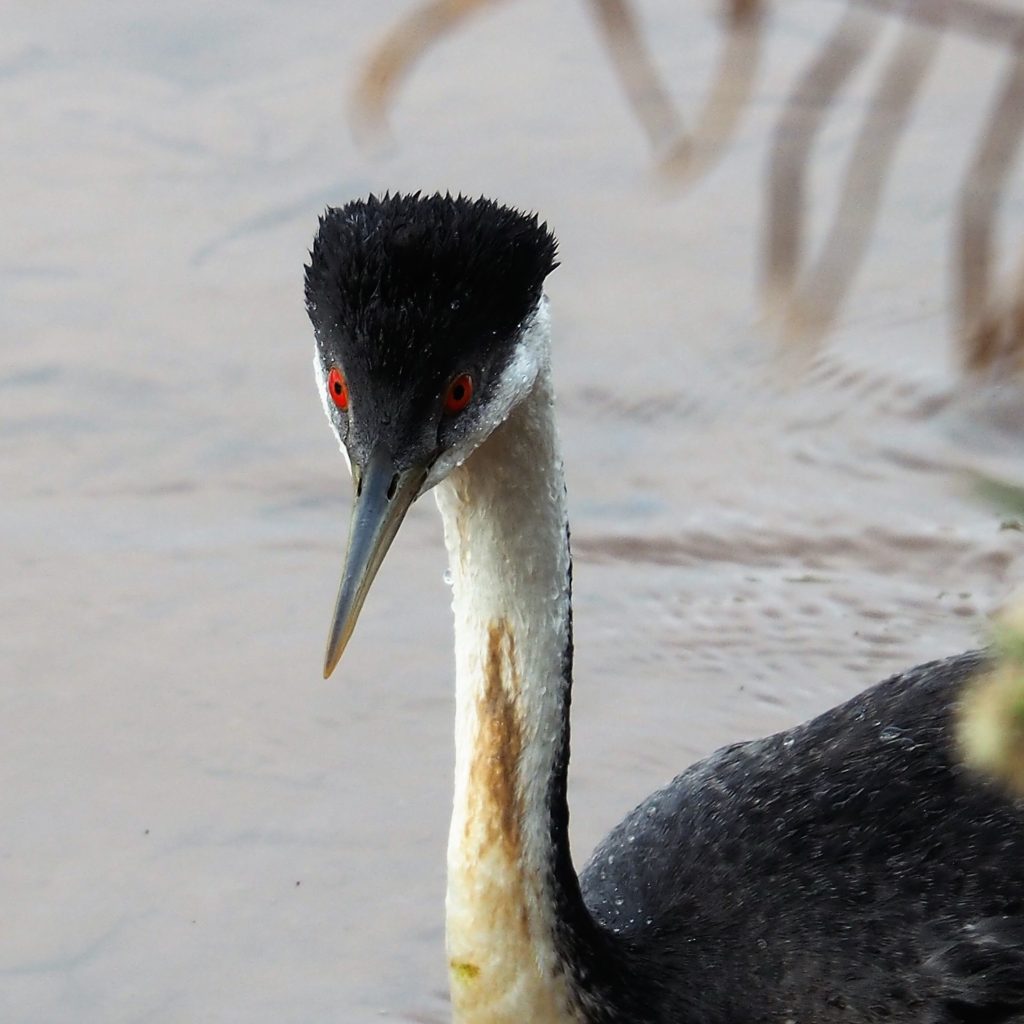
x,y
505,528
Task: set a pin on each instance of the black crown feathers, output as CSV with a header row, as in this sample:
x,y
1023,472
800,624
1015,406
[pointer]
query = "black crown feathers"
x,y
406,281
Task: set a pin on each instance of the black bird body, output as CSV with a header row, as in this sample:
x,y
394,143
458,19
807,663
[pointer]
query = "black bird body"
x,y
848,870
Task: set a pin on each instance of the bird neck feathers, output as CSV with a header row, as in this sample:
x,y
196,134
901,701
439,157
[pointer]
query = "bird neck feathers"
x,y
505,524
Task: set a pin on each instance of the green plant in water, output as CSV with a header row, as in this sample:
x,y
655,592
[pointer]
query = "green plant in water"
x,y
991,726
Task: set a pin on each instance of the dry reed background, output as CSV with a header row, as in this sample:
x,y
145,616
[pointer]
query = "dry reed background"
x,y
802,292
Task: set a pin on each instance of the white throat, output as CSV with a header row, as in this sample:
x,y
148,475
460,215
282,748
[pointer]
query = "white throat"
x,y
505,529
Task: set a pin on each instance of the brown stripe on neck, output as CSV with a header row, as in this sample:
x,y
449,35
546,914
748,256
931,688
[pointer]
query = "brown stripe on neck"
x,y
496,804
500,921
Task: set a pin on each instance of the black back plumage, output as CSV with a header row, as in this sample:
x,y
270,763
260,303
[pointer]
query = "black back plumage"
x,y
850,869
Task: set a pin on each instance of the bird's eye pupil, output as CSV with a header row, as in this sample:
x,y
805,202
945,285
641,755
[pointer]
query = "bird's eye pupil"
x,y
338,388
459,393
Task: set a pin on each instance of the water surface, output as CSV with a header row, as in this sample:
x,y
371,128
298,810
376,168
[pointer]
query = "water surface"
x,y
197,827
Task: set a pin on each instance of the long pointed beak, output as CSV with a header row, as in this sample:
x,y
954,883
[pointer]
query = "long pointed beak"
x,y
383,496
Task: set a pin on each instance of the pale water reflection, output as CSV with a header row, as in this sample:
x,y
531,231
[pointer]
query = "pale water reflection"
x,y
197,828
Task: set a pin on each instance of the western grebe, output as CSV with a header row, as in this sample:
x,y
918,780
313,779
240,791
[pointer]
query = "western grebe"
x,y
849,869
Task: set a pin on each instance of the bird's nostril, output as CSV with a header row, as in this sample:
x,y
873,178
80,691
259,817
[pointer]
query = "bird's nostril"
x,y
392,487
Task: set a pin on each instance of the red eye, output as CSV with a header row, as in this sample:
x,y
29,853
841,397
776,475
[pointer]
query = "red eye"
x,y
338,388
458,395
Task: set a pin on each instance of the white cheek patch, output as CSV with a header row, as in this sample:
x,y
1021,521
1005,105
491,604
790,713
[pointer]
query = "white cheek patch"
x,y
321,383
515,383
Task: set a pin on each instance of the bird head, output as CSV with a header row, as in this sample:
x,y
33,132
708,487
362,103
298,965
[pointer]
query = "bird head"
x,y
430,328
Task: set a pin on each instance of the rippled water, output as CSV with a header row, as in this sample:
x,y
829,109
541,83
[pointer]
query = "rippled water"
x,y
196,827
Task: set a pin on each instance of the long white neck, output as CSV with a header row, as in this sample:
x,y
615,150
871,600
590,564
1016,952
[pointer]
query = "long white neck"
x,y
509,869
